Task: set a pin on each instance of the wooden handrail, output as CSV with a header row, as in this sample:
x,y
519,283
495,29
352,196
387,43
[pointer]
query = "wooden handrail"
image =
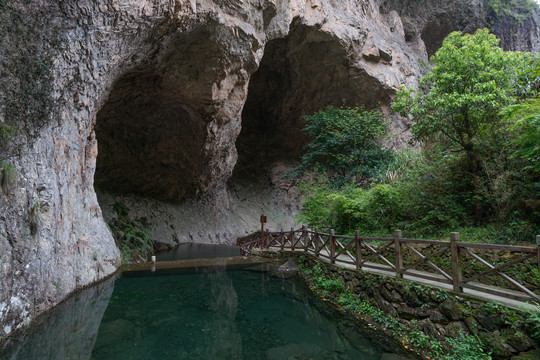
x,y
330,246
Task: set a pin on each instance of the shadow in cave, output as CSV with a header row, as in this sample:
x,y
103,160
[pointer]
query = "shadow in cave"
x,y
150,139
152,131
298,75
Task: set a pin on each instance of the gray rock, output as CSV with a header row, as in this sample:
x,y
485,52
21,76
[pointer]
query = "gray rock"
x,y
286,271
428,327
451,310
489,322
438,318
390,294
406,313
517,340
472,324
455,328
529,355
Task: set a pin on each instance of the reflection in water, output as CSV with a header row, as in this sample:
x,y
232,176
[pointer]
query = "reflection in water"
x,y
223,337
192,314
217,314
198,251
67,332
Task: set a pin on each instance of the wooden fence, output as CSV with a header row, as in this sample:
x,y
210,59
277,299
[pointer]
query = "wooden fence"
x,y
439,261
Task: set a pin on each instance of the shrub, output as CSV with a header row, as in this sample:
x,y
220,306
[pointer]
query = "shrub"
x,y
131,235
466,347
345,143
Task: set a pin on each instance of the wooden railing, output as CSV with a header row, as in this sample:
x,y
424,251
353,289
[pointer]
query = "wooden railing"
x,y
438,261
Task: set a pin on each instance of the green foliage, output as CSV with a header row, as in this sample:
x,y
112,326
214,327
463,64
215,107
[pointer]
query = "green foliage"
x,y
131,235
515,11
8,175
420,200
327,286
532,322
460,100
476,113
351,208
493,308
459,108
441,295
527,127
461,97
417,289
345,143
466,347
6,131
419,340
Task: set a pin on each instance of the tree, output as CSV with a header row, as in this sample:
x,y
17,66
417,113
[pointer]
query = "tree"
x,y
527,127
459,101
344,142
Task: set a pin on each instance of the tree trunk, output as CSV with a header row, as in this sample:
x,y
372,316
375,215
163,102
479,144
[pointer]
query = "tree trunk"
x,y
475,170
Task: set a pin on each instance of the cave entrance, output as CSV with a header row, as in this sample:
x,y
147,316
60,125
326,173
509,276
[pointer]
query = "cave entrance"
x,y
169,133
298,75
150,139
168,127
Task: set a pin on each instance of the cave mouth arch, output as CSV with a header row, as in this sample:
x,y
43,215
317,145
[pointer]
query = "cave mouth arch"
x,y
199,147
298,75
167,128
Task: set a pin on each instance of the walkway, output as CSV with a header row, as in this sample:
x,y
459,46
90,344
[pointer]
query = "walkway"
x,y
510,298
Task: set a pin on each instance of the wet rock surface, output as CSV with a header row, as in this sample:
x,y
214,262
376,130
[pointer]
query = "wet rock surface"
x,y
285,271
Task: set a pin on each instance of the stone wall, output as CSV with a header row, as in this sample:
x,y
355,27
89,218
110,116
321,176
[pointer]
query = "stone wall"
x,y
437,313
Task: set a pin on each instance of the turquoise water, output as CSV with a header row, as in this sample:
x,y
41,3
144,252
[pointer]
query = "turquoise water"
x,y
191,314
216,314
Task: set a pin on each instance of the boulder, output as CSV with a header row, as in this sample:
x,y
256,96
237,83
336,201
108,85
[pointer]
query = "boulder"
x,y
451,310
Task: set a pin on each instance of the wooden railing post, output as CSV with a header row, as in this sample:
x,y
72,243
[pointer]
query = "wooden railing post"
x,y
305,236
332,247
316,239
292,239
358,247
456,262
398,253
282,237
538,251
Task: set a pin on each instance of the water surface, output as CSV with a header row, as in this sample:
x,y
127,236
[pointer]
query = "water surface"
x,y
198,251
206,313
216,314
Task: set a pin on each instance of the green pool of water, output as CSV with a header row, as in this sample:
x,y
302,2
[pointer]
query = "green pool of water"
x,y
215,313
238,314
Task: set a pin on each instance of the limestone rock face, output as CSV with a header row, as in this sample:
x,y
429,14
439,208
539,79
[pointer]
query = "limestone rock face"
x,y
428,22
161,101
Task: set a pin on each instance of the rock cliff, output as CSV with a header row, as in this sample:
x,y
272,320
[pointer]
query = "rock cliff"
x,y
179,108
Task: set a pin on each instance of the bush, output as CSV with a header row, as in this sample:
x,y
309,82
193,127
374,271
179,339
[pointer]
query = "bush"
x,y
345,143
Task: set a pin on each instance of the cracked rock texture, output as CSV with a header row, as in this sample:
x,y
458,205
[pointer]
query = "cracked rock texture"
x,y
188,111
